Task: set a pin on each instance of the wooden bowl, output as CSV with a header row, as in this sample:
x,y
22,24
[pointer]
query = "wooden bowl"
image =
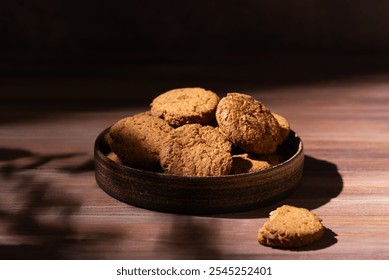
x,y
199,195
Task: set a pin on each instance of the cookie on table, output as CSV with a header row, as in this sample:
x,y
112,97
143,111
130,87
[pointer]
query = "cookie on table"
x,y
247,163
290,227
195,150
248,124
185,106
137,140
284,126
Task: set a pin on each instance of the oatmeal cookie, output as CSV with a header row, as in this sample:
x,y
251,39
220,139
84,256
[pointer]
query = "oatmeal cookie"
x,y
290,227
247,163
137,140
196,150
248,124
185,106
284,126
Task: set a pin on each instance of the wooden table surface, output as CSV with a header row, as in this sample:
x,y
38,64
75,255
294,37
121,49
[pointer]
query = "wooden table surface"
x,y
52,208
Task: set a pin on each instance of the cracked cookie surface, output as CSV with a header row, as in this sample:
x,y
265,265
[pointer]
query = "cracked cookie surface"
x,y
248,124
195,150
137,140
185,106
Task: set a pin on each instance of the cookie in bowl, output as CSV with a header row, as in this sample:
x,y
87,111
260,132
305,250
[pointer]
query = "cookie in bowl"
x,y
195,150
248,124
185,106
137,140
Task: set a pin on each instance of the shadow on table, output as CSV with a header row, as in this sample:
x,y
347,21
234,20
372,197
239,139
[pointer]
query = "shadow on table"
x,y
328,239
189,238
193,238
38,217
36,161
59,238
41,225
321,182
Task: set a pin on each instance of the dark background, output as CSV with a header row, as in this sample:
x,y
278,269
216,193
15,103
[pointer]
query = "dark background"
x,y
185,43
77,26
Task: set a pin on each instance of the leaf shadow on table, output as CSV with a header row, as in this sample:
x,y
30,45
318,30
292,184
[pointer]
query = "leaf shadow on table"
x,y
38,217
35,161
189,238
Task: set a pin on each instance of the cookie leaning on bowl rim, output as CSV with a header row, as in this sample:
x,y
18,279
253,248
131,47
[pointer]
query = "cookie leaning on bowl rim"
x,y
284,126
137,140
248,124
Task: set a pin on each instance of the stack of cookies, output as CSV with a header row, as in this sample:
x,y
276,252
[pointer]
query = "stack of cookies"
x,y
192,132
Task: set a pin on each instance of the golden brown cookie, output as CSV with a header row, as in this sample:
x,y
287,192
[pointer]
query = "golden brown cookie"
x,y
185,106
284,126
196,150
248,124
137,140
247,163
290,227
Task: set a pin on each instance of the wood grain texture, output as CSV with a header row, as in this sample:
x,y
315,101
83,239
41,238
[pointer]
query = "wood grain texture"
x,y
52,208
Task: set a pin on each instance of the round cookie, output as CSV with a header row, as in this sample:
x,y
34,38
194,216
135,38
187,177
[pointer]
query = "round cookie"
x,y
196,150
247,163
185,106
290,227
284,126
248,124
137,140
